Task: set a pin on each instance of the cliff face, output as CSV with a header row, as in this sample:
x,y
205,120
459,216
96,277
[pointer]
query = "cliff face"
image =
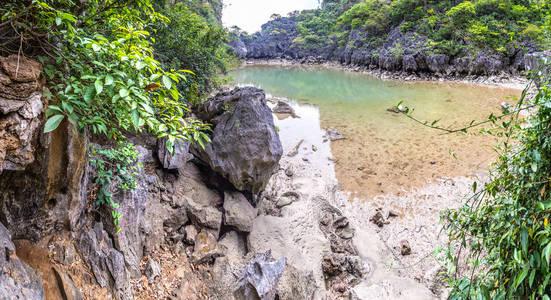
x,y
393,36
400,51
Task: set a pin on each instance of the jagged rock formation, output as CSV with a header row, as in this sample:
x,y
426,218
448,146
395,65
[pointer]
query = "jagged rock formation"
x,y
17,279
399,52
20,107
245,147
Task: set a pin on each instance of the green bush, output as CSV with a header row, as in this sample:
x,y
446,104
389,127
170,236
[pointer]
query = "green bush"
x,y
190,42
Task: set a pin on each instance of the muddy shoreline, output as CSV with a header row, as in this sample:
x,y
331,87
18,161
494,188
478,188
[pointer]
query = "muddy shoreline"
x,y
505,80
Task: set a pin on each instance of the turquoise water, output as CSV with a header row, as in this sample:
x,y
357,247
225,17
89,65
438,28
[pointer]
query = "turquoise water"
x,y
384,151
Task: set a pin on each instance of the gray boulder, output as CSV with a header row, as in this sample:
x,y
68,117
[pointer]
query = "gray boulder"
x,y
239,212
176,160
245,147
17,279
260,277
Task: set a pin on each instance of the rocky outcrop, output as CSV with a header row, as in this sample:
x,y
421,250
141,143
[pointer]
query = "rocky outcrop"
x,y
21,107
42,174
400,51
17,279
245,146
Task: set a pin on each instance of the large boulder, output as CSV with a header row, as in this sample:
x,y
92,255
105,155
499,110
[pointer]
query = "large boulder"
x,y
239,212
245,146
17,279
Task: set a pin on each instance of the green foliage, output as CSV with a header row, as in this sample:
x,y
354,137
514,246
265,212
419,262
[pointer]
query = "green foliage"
x,y
505,226
190,41
455,28
99,65
116,170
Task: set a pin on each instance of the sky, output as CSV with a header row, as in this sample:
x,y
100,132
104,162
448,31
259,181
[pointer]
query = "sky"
x,y
249,15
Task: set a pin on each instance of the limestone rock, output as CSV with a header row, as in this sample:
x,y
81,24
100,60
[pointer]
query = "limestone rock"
x,y
235,245
17,279
190,234
203,212
152,269
239,212
206,248
245,147
173,161
68,287
20,68
283,108
260,277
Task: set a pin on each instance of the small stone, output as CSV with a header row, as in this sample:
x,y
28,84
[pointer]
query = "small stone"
x,y
314,148
340,222
152,270
284,201
190,233
289,172
346,233
361,168
330,266
378,219
305,159
405,248
392,213
340,287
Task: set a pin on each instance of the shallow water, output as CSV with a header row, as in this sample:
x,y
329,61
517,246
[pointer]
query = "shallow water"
x,y
385,152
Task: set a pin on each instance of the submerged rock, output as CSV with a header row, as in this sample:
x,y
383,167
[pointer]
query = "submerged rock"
x,y
333,134
284,108
245,146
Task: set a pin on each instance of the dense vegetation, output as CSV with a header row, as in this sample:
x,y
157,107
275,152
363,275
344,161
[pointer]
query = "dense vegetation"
x,y
454,28
116,68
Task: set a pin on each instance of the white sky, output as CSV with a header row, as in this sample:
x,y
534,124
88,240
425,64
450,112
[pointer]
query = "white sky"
x,y
249,15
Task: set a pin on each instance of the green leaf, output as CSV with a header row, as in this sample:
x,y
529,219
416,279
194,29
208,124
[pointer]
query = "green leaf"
x,y
521,277
123,92
53,123
108,80
89,94
99,86
167,82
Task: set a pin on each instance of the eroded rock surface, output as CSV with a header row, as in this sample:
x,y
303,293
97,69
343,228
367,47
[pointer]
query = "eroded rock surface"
x,y
245,147
17,279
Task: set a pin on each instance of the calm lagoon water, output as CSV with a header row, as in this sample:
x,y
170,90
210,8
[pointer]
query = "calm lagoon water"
x,y
384,151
